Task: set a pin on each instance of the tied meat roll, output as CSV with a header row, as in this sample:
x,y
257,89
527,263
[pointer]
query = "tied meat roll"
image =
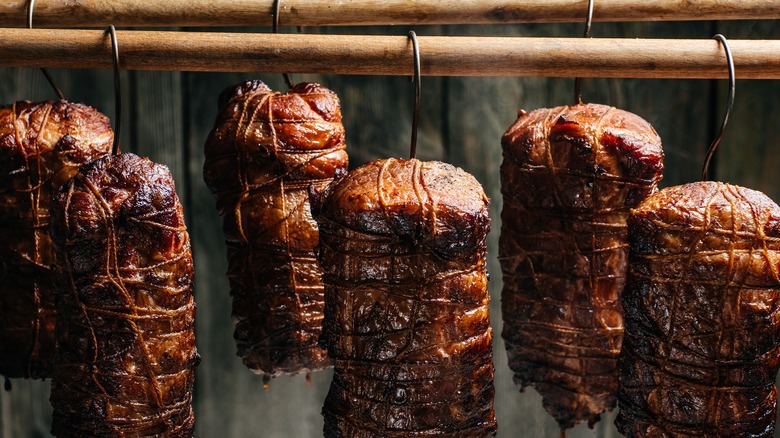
x,y
568,179
402,247
41,146
268,151
126,352
702,308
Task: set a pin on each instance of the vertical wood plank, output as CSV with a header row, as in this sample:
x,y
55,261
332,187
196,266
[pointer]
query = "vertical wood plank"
x,y
153,125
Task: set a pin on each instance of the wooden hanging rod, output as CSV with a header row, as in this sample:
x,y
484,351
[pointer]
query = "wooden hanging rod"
x,y
100,13
390,55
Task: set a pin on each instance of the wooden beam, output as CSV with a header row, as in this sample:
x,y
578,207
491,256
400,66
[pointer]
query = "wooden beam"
x,y
100,13
389,55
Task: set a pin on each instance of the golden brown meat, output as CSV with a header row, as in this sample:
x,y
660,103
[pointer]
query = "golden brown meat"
x,y
41,146
266,153
569,177
406,305
702,308
125,314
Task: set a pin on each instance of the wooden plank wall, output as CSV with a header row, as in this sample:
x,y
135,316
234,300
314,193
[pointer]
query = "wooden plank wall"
x,y
169,114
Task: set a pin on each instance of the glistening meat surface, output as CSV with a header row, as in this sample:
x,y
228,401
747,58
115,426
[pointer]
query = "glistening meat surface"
x,y
42,144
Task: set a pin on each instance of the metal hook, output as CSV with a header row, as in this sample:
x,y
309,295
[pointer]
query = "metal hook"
x,y
577,81
117,89
30,6
57,91
277,5
275,14
417,90
729,107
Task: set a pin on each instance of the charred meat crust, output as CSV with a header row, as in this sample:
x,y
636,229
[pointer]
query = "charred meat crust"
x,y
126,352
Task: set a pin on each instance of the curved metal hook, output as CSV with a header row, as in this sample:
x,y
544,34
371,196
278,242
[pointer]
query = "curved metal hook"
x,y
729,108
277,5
117,89
30,6
578,81
417,91
57,91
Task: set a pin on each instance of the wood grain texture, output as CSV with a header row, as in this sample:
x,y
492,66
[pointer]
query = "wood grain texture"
x,y
461,122
389,55
100,13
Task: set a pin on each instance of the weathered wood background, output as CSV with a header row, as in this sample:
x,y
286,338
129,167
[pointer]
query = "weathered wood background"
x,y
169,114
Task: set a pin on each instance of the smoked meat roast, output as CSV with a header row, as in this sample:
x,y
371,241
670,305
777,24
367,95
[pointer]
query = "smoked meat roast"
x,y
702,309
568,179
267,152
125,353
42,145
403,247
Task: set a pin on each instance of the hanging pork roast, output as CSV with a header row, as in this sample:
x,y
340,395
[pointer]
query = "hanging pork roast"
x,y
267,152
702,309
568,179
403,247
125,353
42,145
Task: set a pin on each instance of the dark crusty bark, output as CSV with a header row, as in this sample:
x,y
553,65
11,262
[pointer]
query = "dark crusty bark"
x,y
702,309
266,153
126,352
569,176
406,303
41,146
